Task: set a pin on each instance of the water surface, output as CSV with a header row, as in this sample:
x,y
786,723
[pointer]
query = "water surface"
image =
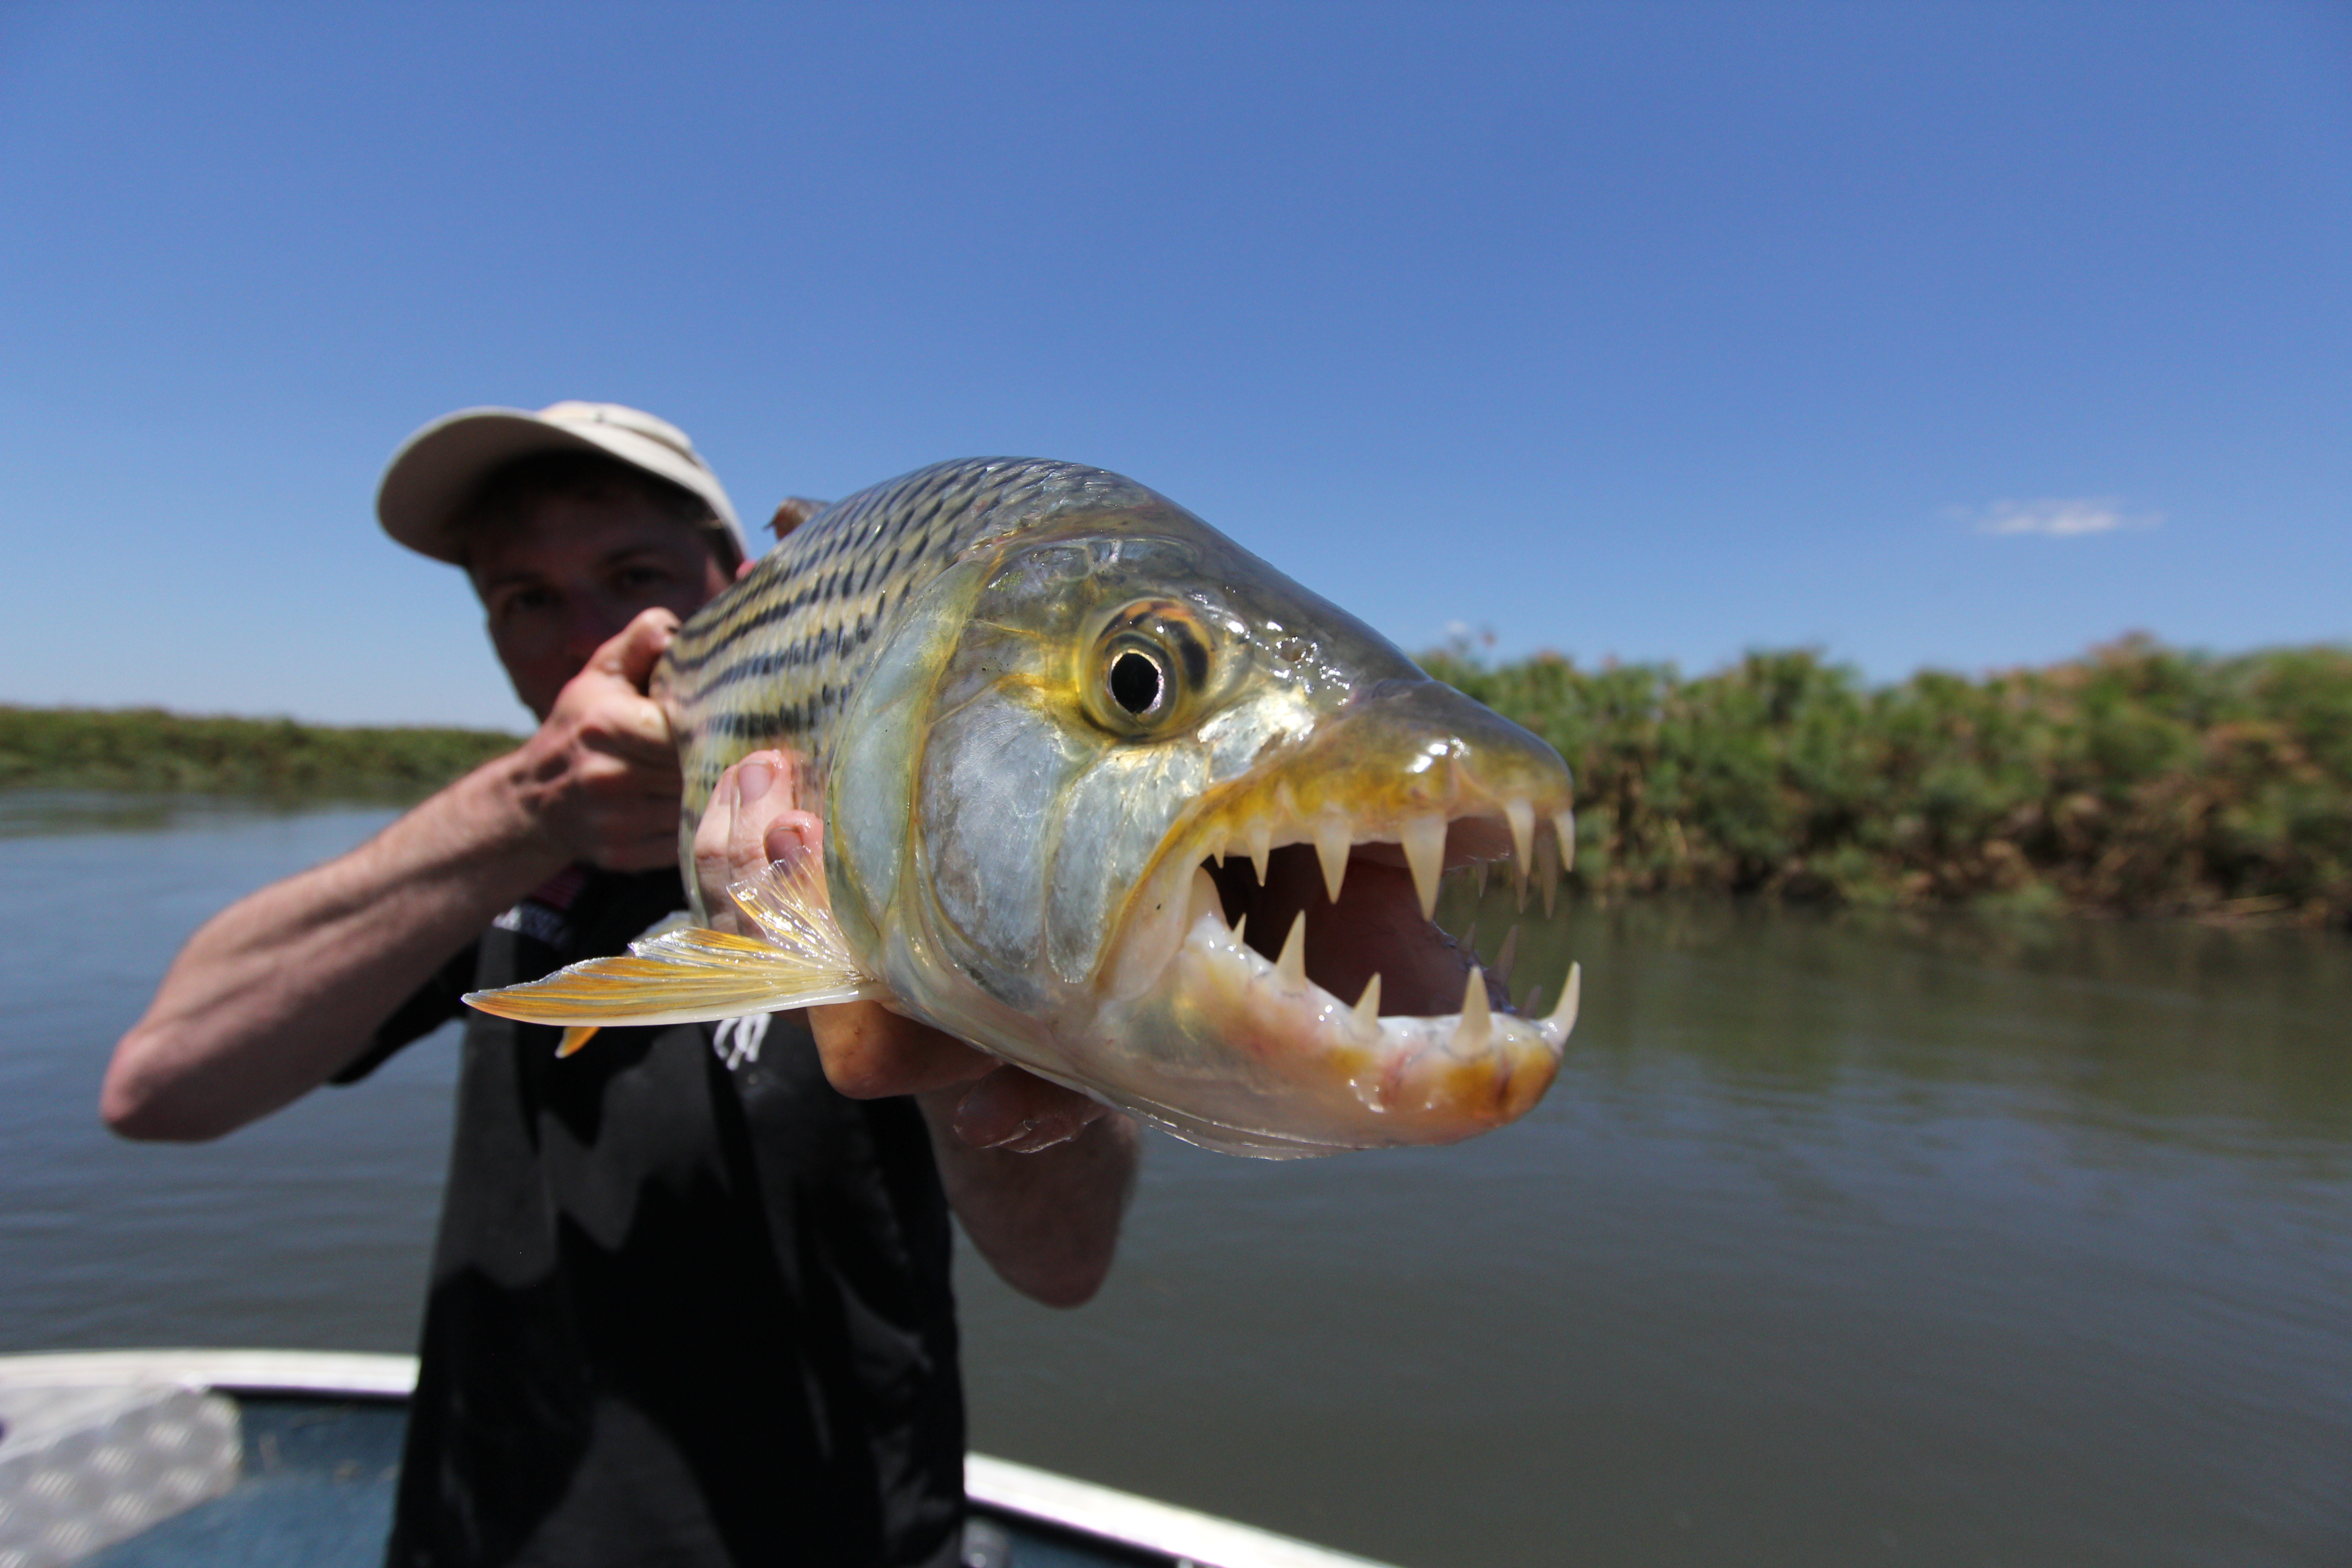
x,y
1839,1240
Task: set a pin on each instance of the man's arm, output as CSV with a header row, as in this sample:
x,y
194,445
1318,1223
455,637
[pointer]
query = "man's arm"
x,y
1039,1175
281,989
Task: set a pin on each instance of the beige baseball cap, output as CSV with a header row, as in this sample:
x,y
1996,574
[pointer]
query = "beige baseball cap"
x,y
437,470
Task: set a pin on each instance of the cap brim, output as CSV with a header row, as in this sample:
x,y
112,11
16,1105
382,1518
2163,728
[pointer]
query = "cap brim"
x,y
437,471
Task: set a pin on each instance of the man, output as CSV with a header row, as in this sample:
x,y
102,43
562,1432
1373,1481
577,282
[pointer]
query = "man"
x,y
689,1301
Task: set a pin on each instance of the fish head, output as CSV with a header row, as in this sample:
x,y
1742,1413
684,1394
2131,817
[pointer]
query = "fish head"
x,y
1127,806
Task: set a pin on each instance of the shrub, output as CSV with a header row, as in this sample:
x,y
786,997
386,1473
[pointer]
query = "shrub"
x,y
2137,778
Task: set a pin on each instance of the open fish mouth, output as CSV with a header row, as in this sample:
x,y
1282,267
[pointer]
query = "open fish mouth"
x,y
1357,916
1309,947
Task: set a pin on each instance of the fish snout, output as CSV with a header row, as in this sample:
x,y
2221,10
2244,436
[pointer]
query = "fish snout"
x,y
1399,722
1441,776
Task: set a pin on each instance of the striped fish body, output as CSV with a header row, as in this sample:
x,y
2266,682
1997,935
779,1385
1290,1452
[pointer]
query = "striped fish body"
x,y
1110,797
773,660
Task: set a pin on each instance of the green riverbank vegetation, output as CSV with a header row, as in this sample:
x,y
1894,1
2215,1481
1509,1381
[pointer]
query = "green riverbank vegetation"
x,y
2137,779
149,750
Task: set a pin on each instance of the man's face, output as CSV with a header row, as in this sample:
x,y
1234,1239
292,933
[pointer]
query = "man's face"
x,y
560,582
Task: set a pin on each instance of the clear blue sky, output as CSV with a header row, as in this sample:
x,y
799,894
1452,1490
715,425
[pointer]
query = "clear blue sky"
x,y
1952,335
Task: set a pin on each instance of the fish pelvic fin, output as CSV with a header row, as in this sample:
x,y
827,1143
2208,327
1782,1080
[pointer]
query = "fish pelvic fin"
x,y
689,974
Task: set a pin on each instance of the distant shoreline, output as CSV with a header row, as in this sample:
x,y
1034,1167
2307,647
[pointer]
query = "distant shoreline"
x,y
2137,779
151,750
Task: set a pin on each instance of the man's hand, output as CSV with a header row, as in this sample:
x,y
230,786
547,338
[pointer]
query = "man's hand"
x,y
600,780
756,816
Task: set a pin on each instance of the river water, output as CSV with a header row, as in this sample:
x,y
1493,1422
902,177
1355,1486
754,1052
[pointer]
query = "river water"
x,y
1839,1240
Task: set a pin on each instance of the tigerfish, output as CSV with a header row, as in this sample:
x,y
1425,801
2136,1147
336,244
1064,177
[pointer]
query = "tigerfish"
x,y
1110,798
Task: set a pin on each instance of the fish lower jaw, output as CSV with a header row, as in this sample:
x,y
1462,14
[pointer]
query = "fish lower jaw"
x,y
1380,1079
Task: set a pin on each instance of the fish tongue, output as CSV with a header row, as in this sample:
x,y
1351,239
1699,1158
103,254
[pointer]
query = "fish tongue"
x,y
1375,929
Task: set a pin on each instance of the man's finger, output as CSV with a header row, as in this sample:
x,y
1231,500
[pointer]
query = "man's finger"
x,y
793,835
635,729
767,788
632,652
712,869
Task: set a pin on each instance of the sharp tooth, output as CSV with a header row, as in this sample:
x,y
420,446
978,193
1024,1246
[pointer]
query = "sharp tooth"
x,y
1292,964
1479,869
1548,871
1367,1007
1238,926
1503,960
1563,826
1203,900
1218,855
1522,818
1423,838
1333,837
1477,1023
1260,846
1563,1018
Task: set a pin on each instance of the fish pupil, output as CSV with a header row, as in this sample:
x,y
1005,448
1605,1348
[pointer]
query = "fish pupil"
x,y
1136,683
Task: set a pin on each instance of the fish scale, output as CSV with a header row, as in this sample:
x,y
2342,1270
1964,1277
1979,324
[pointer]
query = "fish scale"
x,y
772,661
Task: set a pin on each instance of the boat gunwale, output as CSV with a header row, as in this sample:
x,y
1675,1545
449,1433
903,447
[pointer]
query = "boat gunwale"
x,y
999,1486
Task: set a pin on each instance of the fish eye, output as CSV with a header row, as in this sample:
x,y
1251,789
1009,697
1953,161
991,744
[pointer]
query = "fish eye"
x,y
1137,682
1148,668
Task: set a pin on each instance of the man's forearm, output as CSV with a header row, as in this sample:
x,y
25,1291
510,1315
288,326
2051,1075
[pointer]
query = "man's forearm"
x,y
1047,1222
280,990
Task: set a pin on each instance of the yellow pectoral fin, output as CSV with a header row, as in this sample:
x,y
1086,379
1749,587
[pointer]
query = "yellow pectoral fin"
x,y
684,976
577,1035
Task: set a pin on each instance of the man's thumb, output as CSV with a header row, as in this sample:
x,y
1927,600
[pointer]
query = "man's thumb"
x,y
631,654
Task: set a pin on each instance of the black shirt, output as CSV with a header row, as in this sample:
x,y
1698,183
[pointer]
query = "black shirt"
x,y
689,1305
